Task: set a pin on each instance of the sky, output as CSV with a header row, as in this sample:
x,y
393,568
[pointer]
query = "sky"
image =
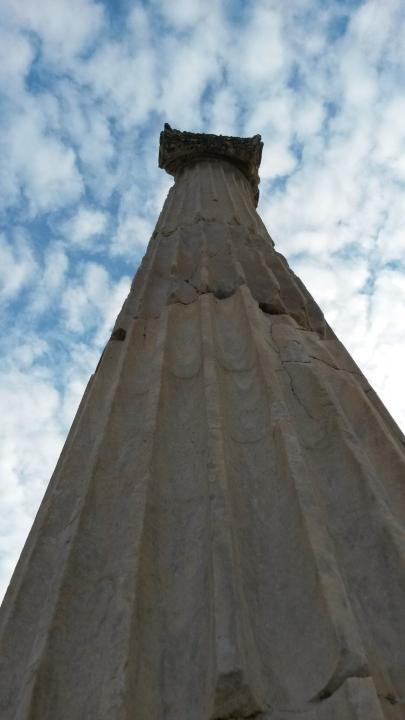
x,y
85,88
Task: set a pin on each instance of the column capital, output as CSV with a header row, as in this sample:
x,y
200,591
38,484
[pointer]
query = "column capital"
x,y
177,149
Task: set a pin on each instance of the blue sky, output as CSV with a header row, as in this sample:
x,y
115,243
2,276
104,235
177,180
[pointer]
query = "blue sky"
x,y
85,89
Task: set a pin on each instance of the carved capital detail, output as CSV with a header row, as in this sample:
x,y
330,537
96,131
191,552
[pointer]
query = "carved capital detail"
x,y
178,149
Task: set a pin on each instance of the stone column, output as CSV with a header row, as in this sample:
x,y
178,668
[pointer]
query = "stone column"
x,y
222,534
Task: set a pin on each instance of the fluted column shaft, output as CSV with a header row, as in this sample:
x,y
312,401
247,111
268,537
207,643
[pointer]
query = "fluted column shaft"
x,y
221,537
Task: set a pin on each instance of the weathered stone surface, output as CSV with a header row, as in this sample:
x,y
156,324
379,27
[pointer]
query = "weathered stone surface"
x,y
180,149
223,536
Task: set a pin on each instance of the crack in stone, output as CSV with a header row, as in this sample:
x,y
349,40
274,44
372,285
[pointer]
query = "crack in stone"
x,y
296,362
335,367
297,397
273,342
392,699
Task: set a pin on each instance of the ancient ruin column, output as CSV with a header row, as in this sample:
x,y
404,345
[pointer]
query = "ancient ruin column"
x,y
223,535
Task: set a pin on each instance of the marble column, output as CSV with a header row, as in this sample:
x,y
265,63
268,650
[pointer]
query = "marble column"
x,y
223,535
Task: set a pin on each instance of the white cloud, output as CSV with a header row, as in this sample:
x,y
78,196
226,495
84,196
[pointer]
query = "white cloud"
x,y
190,67
27,351
36,165
17,266
50,280
371,24
262,46
16,55
85,226
380,351
91,301
326,280
65,27
133,232
311,117
125,79
87,124
222,112
137,215
82,301
184,14
30,441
